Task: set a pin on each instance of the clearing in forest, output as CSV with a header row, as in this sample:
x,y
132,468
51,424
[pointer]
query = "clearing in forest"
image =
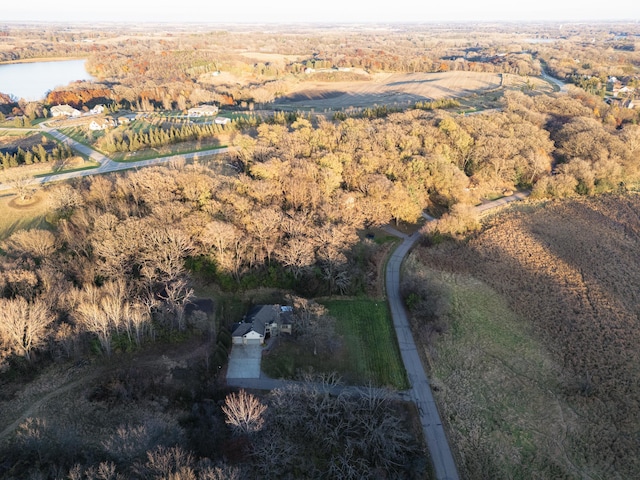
x,y
389,89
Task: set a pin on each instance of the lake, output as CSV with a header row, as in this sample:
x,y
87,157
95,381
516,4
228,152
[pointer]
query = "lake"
x,y
32,81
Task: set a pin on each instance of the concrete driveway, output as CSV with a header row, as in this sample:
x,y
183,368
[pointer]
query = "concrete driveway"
x,y
244,361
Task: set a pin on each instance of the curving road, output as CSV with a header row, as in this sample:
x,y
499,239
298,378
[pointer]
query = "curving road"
x,y
554,81
443,462
107,165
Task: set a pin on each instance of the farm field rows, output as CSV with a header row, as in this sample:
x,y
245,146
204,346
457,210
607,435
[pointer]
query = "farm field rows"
x,y
386,89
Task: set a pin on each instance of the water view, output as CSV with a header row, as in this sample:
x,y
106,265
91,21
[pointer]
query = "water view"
x,y
32,81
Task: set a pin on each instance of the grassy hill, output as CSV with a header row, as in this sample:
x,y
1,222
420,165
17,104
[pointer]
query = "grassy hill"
x,y
532,334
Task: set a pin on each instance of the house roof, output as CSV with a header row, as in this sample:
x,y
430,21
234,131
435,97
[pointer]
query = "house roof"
x,y
67,109
260,316
243,328
263,313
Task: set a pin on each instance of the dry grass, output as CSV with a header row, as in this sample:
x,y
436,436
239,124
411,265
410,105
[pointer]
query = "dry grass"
x,y
389,89
16,215
555,292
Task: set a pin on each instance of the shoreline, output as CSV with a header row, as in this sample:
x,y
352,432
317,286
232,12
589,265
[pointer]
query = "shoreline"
x,y
42,59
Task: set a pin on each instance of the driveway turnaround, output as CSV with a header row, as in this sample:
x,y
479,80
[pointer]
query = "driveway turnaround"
x,y
244,361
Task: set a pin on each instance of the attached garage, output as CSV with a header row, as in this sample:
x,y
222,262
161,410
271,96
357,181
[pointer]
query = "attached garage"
x,y
248,333
252,338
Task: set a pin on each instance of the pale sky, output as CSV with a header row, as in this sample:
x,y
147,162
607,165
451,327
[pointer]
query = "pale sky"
x,y
343,11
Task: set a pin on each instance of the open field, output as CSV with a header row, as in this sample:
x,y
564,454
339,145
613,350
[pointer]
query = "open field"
x,y
537,368
389,89
71,164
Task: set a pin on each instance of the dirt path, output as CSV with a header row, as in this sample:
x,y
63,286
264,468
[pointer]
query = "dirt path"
x,y
39,392
35,406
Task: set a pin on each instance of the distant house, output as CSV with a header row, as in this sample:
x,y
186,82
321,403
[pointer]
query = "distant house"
x,y
222,120
102,124
261,321
97,110
203,111
127,118
64,111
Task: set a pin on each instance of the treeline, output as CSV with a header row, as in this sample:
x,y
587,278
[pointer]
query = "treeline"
x,y
130,140
41,153
443,103
82,94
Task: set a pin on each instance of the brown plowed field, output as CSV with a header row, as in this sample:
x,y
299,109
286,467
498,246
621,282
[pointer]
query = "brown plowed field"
x,y
389,89
571,271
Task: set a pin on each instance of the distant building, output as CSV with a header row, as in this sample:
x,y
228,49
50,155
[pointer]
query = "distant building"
x,y
203,111
64,111
222,120
97,109
127,118
102,124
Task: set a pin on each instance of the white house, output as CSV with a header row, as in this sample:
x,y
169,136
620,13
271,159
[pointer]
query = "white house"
x,y
64,111
102,124
203,111
222,120
97,109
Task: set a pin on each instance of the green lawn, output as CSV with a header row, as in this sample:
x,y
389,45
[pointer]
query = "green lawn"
x,y
8,132
369,352
371,343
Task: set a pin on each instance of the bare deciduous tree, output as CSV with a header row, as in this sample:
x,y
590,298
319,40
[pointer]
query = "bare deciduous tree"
x,y
167,463
24,186
177,295
244,412
36,243
24,325
297,255
96,321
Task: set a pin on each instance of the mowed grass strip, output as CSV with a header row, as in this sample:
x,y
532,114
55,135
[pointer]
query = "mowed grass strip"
x,y
372,352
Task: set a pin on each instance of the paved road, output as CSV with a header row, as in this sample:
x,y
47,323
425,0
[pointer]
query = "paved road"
x,y
441,456
106,164
556,82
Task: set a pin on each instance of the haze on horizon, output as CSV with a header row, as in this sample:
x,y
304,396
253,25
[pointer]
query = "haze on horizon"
x,y
334,11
